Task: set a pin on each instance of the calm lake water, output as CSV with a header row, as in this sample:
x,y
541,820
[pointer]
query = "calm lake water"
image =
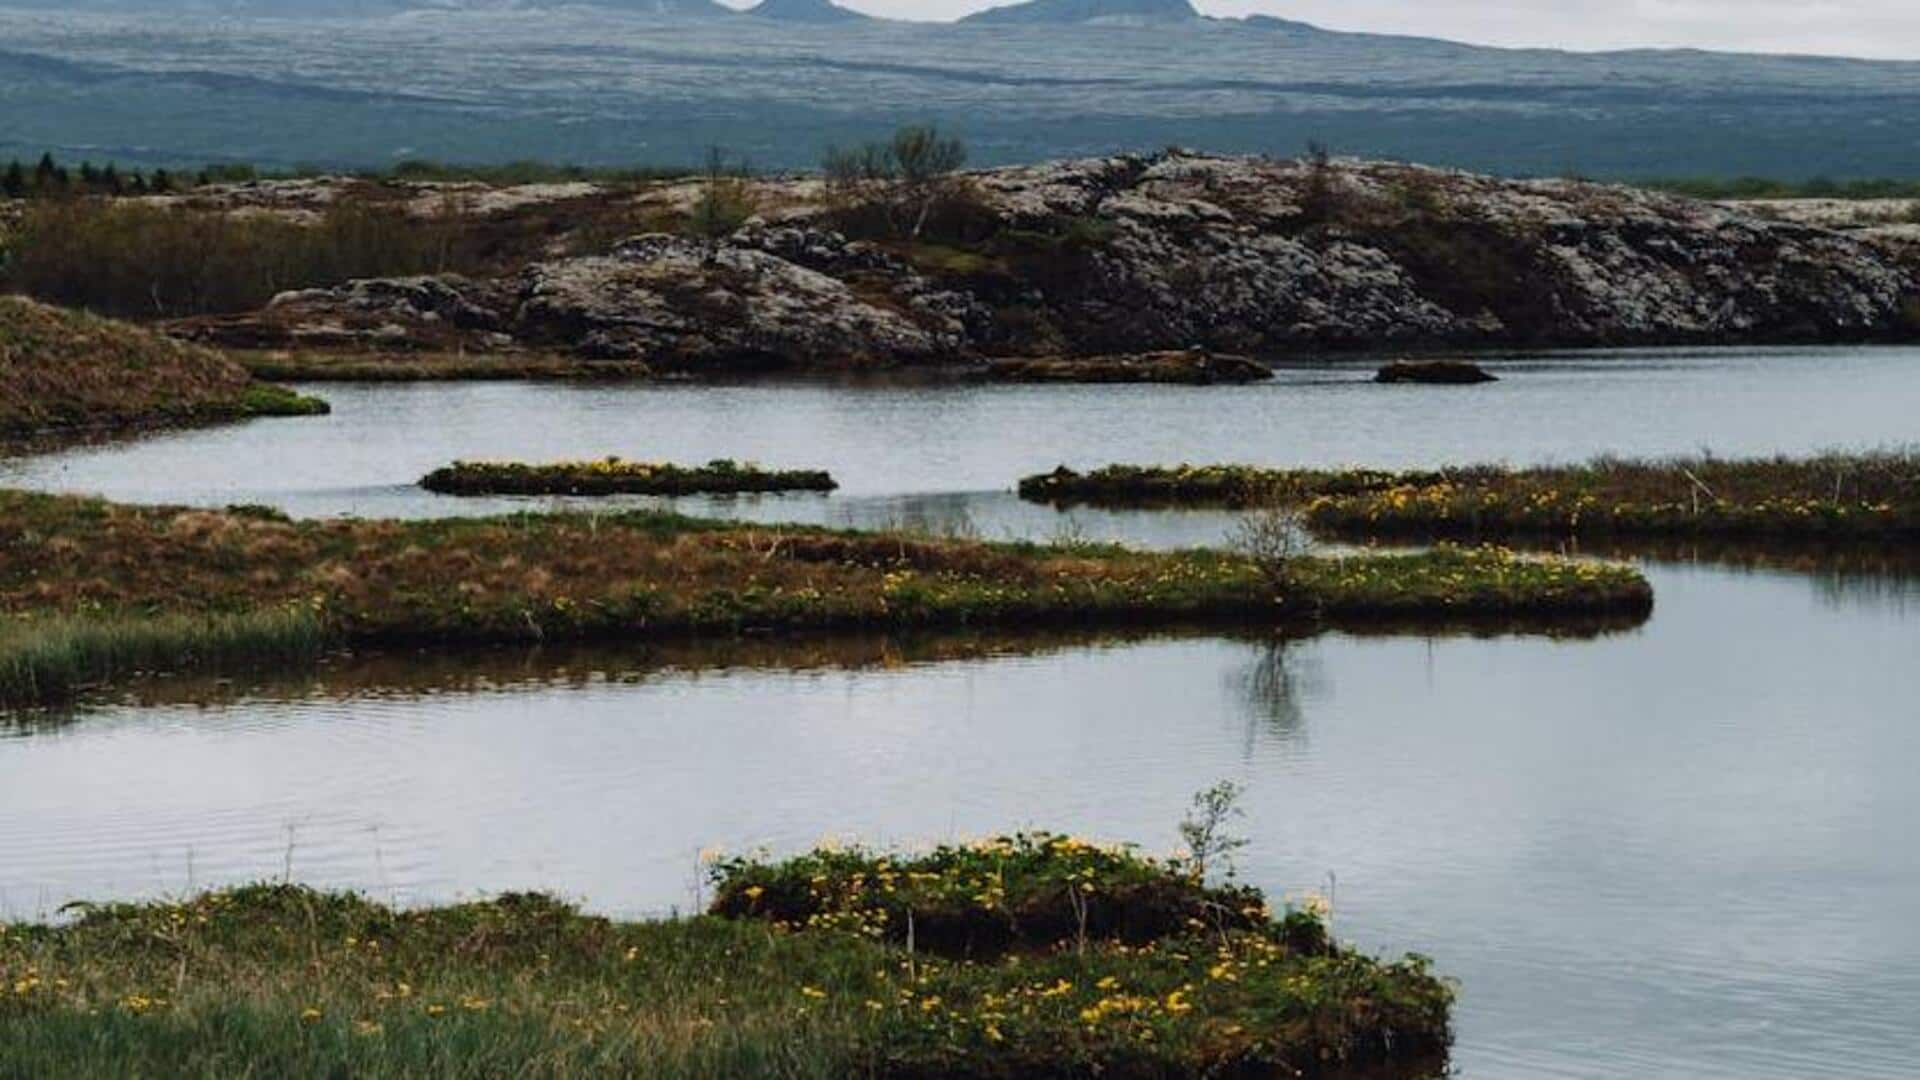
x,y
1680,850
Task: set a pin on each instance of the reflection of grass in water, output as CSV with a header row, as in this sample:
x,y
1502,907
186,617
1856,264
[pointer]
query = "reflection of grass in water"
x,y
1872,575
392,674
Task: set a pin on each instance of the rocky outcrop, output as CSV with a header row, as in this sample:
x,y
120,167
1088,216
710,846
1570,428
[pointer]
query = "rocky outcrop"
x,y
1127,255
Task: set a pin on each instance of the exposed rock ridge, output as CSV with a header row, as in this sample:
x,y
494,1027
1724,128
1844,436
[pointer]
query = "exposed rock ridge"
x,y
1133,254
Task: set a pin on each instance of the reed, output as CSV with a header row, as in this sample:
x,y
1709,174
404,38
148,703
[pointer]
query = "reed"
x,y
49,660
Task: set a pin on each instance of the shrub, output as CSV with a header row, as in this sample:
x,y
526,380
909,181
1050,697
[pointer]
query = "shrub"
x,y
897,186
726,199
137,260
1273,538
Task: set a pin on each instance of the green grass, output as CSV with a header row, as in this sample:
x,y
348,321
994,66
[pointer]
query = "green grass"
x,y
612,475
281,980
1860,497
266,399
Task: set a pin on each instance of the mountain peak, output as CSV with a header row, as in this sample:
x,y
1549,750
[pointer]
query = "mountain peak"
x,y
1081,11
811,11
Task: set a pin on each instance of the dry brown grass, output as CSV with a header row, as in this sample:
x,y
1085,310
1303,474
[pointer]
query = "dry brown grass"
x,y
64,369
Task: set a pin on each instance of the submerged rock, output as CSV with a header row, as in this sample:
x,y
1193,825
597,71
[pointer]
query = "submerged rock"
x,y
1436,372
1196,367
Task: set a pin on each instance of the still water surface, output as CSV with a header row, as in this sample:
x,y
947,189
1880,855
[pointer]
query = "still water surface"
x,y
1682,850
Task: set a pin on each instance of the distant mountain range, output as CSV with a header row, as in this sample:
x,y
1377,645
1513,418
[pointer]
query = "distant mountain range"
x,y
659,81
1030,12
1061,12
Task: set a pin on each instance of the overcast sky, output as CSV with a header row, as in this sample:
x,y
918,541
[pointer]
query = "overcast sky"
x,y
1885,28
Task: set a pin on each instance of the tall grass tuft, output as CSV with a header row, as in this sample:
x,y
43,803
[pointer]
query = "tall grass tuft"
x,y
51,660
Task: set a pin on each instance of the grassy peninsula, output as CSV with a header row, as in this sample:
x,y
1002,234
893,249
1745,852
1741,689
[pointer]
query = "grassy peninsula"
x,y
63,370
297,982
614,476
1864,497
92,591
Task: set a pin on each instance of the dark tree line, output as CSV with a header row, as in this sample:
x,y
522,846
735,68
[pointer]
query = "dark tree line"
x,y
50,178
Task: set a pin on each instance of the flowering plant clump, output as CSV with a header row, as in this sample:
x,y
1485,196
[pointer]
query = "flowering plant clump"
x,y
1024,891
614,476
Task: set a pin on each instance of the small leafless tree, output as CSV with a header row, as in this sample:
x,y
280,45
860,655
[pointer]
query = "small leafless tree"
x,y
1274,538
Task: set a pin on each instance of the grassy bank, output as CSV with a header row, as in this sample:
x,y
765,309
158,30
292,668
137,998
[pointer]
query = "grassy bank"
x,y
295,982
1873,496
67,370
640,575
614,476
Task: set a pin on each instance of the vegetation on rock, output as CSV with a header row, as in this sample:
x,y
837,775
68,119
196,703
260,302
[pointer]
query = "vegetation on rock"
x,y
613,476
